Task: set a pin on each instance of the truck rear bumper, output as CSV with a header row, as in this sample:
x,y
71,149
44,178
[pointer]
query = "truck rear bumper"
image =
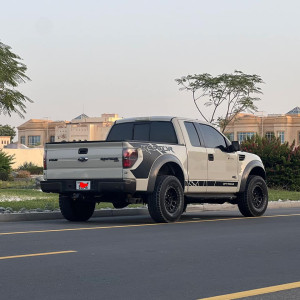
x,y
97,186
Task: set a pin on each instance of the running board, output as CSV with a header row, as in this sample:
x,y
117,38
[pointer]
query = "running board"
x,y
210,198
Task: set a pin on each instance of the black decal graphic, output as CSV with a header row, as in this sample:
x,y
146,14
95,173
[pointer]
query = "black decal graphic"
x,y
211,183
156,148
149,156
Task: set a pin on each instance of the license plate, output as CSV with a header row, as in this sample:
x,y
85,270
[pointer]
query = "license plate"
x,y
83,185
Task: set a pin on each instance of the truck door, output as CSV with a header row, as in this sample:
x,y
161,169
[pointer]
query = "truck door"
x,y
196,159
222,167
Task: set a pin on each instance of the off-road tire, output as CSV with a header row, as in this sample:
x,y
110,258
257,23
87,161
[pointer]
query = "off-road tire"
x,y
166,203
253,202
75,210
120,204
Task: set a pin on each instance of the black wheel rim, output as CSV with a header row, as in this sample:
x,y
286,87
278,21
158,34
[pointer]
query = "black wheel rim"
x,y
172,200
258,197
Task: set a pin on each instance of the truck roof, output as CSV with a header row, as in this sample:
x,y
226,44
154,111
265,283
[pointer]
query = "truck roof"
x,y
156,118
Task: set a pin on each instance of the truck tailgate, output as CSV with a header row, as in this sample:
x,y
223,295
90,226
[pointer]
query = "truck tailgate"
x,y
84,160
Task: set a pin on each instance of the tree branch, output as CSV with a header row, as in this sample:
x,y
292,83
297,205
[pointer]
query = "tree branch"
x,y
195,101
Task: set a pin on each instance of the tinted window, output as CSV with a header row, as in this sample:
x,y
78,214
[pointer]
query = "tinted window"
x,y
141,132
163,132
120,132
152,131
193,135
212,138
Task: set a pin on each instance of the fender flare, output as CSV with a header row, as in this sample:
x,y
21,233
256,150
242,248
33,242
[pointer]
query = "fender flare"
x,y
251,165
158,163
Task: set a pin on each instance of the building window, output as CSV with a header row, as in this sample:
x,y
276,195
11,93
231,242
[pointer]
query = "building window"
x,y
230,136
22,140
242,136
34,140
281,136
270,135
52,139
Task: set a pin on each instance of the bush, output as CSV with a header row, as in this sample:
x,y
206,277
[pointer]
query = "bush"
x,y
31,168
282,161
4,176
5,165
23,174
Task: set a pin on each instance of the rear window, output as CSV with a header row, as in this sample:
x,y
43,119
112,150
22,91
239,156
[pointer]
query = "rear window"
x,y
157,131
141,132
121,132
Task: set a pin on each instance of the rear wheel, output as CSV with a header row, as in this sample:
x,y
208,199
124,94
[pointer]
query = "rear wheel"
x,y
75,210
120,204
166,203
253,202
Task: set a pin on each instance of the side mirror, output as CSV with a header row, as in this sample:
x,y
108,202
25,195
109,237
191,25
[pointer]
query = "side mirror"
x,y
235,146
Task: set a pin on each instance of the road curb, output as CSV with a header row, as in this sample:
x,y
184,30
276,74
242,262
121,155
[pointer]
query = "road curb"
x,y
227,206
38,216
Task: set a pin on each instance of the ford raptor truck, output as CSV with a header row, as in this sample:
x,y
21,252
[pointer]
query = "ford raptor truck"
x,y
164,162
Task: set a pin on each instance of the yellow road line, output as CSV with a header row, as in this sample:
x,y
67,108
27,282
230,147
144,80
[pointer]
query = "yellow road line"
x,y
266,290
37,254
143,225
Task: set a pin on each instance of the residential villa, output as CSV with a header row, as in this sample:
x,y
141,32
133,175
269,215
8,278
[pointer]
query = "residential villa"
x,y
4,141
37,132
285,126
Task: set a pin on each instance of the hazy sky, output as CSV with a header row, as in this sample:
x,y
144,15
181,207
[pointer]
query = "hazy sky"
x,y
123,56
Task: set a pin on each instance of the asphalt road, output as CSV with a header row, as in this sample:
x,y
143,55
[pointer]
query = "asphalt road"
x,y
204,255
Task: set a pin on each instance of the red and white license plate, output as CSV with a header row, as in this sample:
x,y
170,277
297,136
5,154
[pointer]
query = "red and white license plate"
x,y
83,185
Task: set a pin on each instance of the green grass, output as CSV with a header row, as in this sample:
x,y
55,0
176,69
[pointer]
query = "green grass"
x,y
17,198
33,199
18,184
275,195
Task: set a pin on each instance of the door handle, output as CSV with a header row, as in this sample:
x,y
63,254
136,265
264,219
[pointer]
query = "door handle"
x,y
83,159
83,150
211,157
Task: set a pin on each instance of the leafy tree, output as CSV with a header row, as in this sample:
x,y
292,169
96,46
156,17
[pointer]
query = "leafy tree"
x,y
12,73
6,130
236,92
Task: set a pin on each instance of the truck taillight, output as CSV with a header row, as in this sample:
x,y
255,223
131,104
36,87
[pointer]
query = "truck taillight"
x,y
45,160
130,156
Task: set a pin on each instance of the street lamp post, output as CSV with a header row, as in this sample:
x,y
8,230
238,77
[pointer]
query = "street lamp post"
x,y
47,118
261,116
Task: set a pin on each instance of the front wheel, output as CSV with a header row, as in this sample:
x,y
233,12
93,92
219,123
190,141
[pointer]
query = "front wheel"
x,y
75,210
253,202
166,203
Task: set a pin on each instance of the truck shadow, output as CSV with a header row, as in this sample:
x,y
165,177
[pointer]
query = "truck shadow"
x,y
146,219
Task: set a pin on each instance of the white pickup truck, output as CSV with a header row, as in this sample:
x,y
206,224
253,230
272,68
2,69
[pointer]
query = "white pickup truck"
x,y
165,162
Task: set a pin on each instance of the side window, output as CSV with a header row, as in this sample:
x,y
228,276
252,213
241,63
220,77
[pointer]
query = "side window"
x,y
193,135
163,132
120,132
141,132
212,138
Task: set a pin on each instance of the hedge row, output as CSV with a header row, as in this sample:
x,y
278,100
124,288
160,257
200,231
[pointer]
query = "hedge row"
x,y
282,161
31,168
